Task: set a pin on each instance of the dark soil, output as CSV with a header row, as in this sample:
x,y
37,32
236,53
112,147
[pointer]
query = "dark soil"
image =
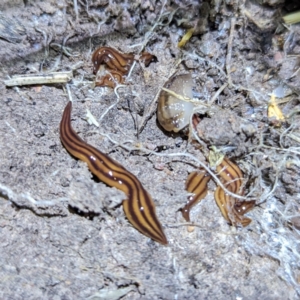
x,y
64,233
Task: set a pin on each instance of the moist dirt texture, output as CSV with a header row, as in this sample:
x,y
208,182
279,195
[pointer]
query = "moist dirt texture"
x,y
64,234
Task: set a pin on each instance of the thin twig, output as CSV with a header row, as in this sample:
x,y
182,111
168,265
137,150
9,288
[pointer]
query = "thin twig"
x,y
217,94
69,93
194,55
75,9
229,51
50,78
12,196
114,104
152,108
188,155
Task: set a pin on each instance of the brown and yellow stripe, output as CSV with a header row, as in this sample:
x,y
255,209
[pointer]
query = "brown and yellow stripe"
x,y
232,209
110,79
113,59
196,184
138,207
117,64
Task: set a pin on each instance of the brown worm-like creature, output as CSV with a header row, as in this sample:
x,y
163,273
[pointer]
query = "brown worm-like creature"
x,y
196,184
113,59
117,64
111,79
138,206
232,209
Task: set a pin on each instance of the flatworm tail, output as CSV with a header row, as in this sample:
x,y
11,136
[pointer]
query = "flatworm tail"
x,y
196,184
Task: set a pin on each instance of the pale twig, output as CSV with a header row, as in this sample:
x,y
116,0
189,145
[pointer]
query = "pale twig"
x,y
51,78
284,134
17,90
69,93
183,98
76,66
186,224
114,104
150,112
152,107
196,137
217,94
75,9
65,50
294,137
149,33
294,74
281,149
142,45
287,40
262,145
275,184
58,60
90,118
188,155
229,51
147,38
194,55
12,196
12,128
130,71
46,44
45,39
66,38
